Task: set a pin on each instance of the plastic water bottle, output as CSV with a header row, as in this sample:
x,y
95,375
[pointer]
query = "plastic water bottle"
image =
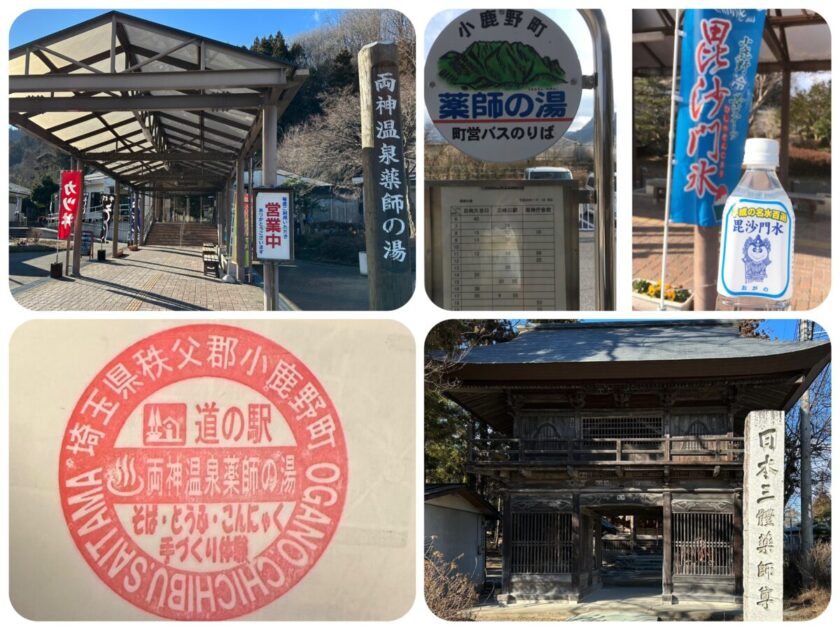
x,y
755,272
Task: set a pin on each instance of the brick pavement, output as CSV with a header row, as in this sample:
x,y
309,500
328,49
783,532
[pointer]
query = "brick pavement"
x,y
154,278
811,260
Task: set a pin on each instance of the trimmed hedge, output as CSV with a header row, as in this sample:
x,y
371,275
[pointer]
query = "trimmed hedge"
x,y
337,248
807,162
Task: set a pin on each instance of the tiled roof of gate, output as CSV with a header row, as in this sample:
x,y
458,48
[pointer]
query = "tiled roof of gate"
x,y
631,341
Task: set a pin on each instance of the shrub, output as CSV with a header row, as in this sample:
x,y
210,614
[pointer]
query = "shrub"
x,y
809,162
817,565
338,248
449,594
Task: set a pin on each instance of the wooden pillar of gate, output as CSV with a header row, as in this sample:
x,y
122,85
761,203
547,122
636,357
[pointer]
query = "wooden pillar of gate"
x,y
599,549
738,542
577,550
667,550
507,531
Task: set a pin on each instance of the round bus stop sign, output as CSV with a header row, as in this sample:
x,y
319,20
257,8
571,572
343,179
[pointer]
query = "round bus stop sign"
x,y
502,85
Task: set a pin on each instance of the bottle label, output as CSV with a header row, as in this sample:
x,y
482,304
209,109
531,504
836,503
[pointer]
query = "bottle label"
x,y
756,251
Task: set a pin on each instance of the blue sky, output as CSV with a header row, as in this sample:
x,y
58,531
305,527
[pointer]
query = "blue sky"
x,y
781,328
237,27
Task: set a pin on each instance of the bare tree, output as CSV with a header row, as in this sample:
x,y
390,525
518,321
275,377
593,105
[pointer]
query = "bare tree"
x,y
820,438
767,88
350,30
329,147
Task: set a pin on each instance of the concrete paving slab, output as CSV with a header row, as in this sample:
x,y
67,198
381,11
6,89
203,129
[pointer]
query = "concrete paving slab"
x,y
613,604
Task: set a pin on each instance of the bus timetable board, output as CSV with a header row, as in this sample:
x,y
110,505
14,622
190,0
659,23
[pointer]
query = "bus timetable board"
x,y
506,246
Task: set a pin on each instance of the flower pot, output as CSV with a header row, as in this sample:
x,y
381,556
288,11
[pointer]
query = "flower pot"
x,y
642,302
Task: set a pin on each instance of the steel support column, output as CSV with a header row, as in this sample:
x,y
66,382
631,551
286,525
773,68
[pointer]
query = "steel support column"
x,y
269,179
239,221
77,226
784,134
115,221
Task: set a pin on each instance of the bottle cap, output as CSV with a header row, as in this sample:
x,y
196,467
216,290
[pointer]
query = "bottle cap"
x,y
761,152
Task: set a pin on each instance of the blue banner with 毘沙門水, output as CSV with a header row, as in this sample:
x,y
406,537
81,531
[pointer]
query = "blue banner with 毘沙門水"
x,y
719,60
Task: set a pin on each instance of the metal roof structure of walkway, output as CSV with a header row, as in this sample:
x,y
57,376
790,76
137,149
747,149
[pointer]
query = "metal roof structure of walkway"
x,y
154,107
794,40
158,109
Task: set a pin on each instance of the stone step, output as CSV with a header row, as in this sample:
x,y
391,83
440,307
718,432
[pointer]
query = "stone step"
x,y
187,234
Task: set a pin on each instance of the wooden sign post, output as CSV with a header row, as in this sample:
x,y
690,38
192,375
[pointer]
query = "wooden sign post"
x,y
388,224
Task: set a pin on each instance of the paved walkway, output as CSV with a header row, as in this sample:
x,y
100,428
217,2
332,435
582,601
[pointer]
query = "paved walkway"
x,y
155,278
613,604
811,259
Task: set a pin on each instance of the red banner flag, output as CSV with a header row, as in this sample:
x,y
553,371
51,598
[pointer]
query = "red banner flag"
x,y
70,195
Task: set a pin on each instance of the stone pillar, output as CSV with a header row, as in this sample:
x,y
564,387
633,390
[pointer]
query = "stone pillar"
x,y
763,515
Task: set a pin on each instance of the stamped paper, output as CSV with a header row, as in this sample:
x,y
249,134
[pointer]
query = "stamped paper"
x,y
203,472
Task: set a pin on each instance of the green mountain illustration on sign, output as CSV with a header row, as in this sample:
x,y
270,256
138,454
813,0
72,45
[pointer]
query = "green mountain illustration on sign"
x,y
499,65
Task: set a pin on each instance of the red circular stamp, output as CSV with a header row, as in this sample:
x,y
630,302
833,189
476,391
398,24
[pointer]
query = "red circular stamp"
x,y
203,472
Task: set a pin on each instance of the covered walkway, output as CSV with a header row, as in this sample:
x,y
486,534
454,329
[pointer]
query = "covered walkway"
x,y
162,112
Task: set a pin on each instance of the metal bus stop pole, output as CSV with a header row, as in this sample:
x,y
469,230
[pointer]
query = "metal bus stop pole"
x,y
603,113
